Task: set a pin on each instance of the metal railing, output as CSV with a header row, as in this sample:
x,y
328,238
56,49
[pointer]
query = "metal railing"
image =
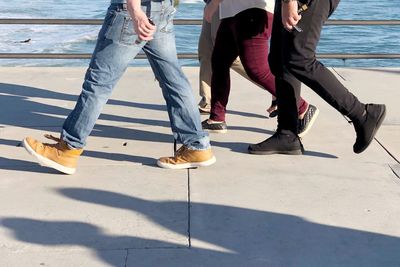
x,y
185,22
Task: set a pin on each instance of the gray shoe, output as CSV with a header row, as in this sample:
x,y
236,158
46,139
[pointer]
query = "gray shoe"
x,y
215,127
305,124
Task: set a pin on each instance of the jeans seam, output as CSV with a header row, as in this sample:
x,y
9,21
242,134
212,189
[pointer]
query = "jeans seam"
x,y
111,23
123,30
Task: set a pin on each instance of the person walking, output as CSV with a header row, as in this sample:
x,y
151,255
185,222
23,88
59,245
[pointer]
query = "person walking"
x,y
126,30
293,61
244,31
205,48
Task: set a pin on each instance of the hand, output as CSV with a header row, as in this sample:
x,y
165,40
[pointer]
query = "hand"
x,y
143,28
210,9
290,17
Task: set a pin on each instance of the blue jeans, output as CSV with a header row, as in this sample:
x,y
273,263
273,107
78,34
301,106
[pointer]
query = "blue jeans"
x,y
115,48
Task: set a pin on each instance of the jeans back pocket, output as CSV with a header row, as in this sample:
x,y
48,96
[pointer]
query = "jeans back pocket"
x,y
108,23
113,28
121,29
128,34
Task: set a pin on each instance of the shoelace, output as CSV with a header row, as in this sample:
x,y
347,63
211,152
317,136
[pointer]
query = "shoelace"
x,y
179,151
51,137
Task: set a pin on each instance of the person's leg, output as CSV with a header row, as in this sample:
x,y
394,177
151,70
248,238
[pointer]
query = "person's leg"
x,y
205,48
237,65
253,37
279,46
206,43
254,50
299,63
302,63
109,61
284,141
225,52
182,109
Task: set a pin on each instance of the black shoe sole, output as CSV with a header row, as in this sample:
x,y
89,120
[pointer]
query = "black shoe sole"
x,y
260,152
377,126
273,114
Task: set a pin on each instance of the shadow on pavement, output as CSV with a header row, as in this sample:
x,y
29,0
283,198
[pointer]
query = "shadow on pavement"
x,y
246,237
23,111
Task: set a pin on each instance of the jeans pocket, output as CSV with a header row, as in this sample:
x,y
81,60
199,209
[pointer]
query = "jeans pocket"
x,y
128,34
167,22
108,23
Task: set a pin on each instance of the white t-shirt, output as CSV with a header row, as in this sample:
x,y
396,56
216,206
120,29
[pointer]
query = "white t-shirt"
x,y
229,8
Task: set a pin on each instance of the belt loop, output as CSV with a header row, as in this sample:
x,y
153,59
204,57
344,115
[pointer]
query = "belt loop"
x,y
124,7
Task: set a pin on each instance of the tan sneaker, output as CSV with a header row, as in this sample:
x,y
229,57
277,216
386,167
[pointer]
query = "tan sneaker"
x,y
187,158
57,156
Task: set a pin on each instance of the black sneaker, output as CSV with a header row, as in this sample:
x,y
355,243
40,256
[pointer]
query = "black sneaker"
x,y
366,130
214,127
282,142
305,124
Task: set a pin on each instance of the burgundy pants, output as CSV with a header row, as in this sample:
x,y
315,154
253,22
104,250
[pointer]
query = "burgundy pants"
x,y
245,35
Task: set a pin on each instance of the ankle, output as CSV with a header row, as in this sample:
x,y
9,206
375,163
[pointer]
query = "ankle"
x,y
301,115
361,117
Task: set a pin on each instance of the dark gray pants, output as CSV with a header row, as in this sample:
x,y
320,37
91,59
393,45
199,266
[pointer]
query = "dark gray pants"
x,y
293,61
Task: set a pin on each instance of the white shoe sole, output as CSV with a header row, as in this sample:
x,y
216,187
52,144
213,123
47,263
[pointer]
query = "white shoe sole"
x,y
310,124
187,165
204,110
216,131
47,162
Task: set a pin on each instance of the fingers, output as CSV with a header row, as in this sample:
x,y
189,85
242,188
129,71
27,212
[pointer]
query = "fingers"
x,y
208,17
144,29
290,16
209,11
296,17
290,22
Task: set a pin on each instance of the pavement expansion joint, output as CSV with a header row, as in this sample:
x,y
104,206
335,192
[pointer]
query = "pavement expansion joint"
x,y
395,169
387,151
189,210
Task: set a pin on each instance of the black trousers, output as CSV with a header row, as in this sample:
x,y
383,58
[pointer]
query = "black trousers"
x,y
293,61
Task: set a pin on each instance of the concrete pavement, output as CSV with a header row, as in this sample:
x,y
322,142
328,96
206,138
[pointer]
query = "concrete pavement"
x,y
329,207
